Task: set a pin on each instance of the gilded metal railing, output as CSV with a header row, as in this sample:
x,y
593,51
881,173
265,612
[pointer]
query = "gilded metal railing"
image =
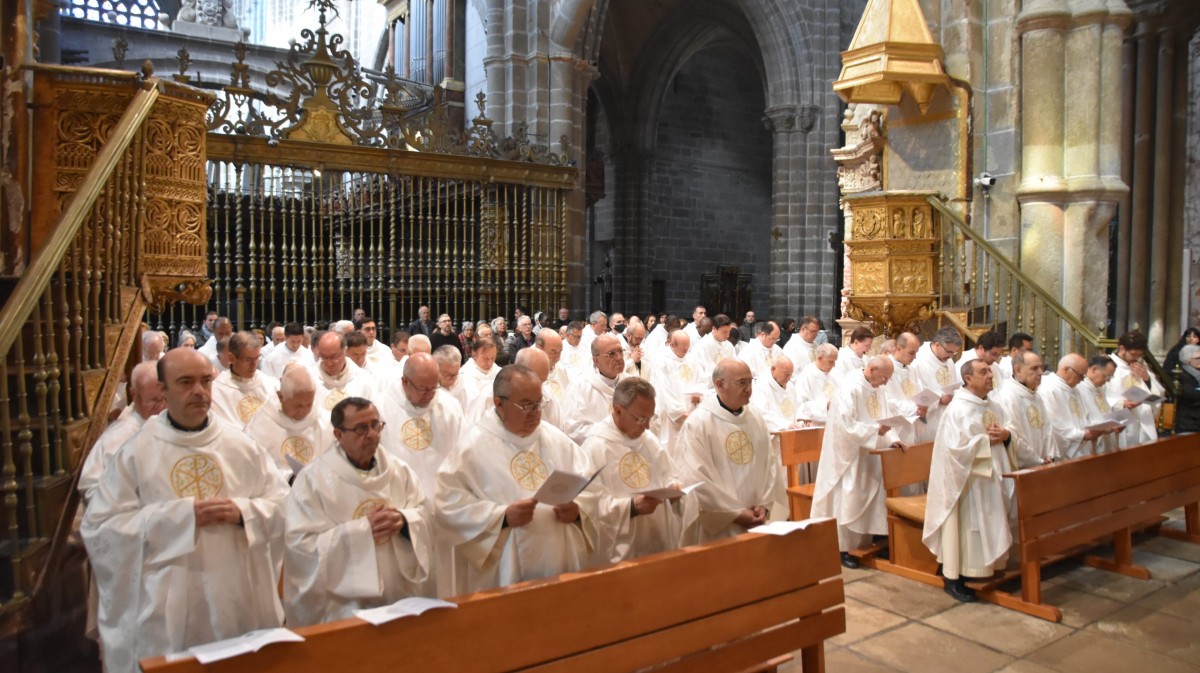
x,y
110,176
986,287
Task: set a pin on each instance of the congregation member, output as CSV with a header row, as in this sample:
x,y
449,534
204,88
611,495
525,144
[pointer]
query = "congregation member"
x,y
423,420
747,328
1064,408
633,524
484,500
590,397
815,387
421,325
1132,372
1187,410
1095,402
1025,414
849,482
724,444
146,399
292,350
522,337
240,391
356,534
678,391
338,377
801,349
183,529
290,425
966,520
762,351
852,357
444,335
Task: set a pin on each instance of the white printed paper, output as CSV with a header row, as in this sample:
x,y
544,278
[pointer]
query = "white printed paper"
x,y
668,493
243,644
1139,395
786,527
405,607
563,487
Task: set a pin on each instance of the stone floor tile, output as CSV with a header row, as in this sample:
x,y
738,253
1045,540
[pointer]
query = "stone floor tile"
x,y
904,597
1112,585
1079,608
1180,600
854,574
1157,631
863,621
841,661
1088,651
1164,567
1165,546
917,648
999,628
1025,666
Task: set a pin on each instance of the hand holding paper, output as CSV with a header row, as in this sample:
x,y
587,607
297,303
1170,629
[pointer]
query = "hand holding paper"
x,y
668,492
563,487
1139,395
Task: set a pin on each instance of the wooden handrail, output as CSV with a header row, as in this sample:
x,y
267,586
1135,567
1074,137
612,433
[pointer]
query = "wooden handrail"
x,y
33,282
1096,340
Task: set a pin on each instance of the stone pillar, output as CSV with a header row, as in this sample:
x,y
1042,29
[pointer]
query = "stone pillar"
x,y
494,66
786,265
1191,204
1160,237
1143,176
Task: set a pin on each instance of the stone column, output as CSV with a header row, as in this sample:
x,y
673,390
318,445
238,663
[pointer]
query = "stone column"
x,y
786,264
1160,237
1143,176
1191,204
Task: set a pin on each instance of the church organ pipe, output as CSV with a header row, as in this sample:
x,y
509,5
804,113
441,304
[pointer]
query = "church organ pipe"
x,y
429,38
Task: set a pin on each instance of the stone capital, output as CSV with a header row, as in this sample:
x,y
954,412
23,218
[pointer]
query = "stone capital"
x,y
780,119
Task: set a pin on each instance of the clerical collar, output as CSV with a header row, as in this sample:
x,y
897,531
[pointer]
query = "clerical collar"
x,y
183,429
737,412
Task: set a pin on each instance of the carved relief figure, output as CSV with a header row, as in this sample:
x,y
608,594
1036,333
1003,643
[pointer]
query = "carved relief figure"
x,y
898,224
918,224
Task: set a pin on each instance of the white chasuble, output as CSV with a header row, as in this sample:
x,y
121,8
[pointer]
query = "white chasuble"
x,y
634,465
166,584
236,400
589,400
274,363
848,364
1064,410
849,483
705,355
934,374
1032,441
1144,427
966,522
477,381
352,381
1095,408
104,449
759,358
730,453
381,362
802,353
334,566
303,440
777,404
814,391
674,384
489,470
420,436
576,359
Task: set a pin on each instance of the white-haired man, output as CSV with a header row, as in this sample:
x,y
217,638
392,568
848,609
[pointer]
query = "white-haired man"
x,y
590,398
814,386
338,377
290,425
678,389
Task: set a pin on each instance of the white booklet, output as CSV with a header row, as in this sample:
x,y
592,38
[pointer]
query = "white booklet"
x,y
243,644
667,493
405,607
563,487
785,527
1113,420
896,421
926,398
1139,395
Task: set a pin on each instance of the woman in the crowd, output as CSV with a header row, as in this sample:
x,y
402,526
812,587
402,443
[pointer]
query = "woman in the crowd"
x,y
1187,409
1191,336
466,338
186,339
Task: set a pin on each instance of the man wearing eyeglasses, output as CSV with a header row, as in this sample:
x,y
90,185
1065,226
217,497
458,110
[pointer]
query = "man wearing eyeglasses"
x,y
339,378
379,356
724,443
575,357
634,525
484,501
1032,433
590,397
1096,406
801,350
934,370
356,533
240,391
1064,408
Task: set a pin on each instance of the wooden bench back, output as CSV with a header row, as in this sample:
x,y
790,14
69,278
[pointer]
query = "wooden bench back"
x,y
703,608
901,468
797,447
1071,503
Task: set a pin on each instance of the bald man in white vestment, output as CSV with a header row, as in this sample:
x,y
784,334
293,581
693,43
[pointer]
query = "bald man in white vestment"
x,y
678,391
146,401
762,351
290,424
966,522
1092,393
357,534
724,443
485,506
815,388
589,399
1064,408
538,362
423,421
183,529
338,377
240,391
849,483
633,525
775,397
1132,372
904,385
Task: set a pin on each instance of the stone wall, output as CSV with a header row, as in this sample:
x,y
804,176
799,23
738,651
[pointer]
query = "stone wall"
x,y
710,191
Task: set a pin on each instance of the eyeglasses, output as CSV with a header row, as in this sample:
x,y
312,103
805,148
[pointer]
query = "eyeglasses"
x,y
1078,373
530,407
640,420
420,389
362,429
613,353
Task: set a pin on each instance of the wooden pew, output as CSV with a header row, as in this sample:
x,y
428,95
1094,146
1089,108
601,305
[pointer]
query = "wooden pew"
x,y
1065,508
909,557
728,605
800,447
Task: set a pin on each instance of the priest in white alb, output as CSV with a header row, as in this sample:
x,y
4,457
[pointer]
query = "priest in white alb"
x,y
423,421
536,361
357,533
1032,441
575,358
485,507
291,350
849,483
775,397
240,391
801,348
183,531
966,523
379,357
1096,407
338,377
935,372
449,362
1064,409
815,388
147,400
678,391
1132,372
480,370
852,356
633,524
290,425
589,398
761,351
712,348
559,379
724,444
903,386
